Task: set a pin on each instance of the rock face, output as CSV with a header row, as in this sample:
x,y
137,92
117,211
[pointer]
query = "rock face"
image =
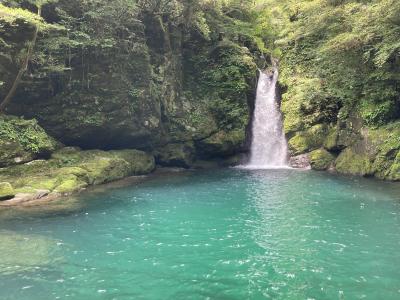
x,y
349,147
185,94
176,155
22,141
321,159
301,161
186,86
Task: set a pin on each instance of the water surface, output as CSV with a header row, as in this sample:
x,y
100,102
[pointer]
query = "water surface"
x,y
221,234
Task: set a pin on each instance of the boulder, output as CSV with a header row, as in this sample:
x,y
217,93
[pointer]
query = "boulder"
x,y
176,155
308,140
70,169
22,141
351,161
301,161
221,144
321,159
6,191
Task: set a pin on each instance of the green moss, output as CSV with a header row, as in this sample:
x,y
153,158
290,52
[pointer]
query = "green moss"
x,y
69,184
176,155
298,144
221,144
25,190
6,191
76,171
22,140
321,159
330,141
70,170
105,169
38,182
307,140
386,142
351,162
139,162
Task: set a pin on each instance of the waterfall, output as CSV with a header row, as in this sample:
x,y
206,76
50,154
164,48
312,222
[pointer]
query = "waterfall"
x,y
268,145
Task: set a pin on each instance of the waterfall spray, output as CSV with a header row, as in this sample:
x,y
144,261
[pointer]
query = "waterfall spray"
x,y
268,145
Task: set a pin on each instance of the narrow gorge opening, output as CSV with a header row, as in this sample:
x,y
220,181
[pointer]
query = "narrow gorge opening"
x,y
268,145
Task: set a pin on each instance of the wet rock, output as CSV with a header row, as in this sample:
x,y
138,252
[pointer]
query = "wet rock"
x,y
301,161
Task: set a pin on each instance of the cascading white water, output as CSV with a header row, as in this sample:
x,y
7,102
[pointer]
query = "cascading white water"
x,y
268,146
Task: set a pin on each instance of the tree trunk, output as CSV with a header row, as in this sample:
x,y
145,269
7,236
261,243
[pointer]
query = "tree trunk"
x,y
23,69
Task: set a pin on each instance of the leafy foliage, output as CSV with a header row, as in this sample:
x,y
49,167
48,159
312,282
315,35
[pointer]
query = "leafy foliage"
x,y
350,47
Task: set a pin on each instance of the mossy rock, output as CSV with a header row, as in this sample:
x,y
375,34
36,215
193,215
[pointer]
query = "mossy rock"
x,y
394,171
71,170
22,141
221,144
176,155
6,191
351,162
321,159
69,184
386,142
139,162
330,142
349,131
308,140
37,182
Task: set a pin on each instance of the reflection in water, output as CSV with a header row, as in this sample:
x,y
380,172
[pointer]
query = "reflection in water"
x,y
221,234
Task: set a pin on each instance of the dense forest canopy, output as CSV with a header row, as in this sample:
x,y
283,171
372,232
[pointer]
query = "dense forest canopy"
x,y
338,53
154,72
342,53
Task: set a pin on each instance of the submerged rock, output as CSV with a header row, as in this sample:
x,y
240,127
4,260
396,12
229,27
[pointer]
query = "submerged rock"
x,y
22,253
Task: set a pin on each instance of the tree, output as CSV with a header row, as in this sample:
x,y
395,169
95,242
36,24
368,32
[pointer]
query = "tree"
x,y
10,15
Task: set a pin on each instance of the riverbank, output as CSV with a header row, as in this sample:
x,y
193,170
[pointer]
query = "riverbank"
x,y
69,170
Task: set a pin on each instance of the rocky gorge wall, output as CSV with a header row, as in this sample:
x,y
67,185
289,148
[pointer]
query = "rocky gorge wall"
x,y
173,95
179,95
178,92
342,142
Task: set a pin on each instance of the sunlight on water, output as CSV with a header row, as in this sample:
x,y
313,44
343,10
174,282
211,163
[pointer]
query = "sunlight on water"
x,y
221,234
